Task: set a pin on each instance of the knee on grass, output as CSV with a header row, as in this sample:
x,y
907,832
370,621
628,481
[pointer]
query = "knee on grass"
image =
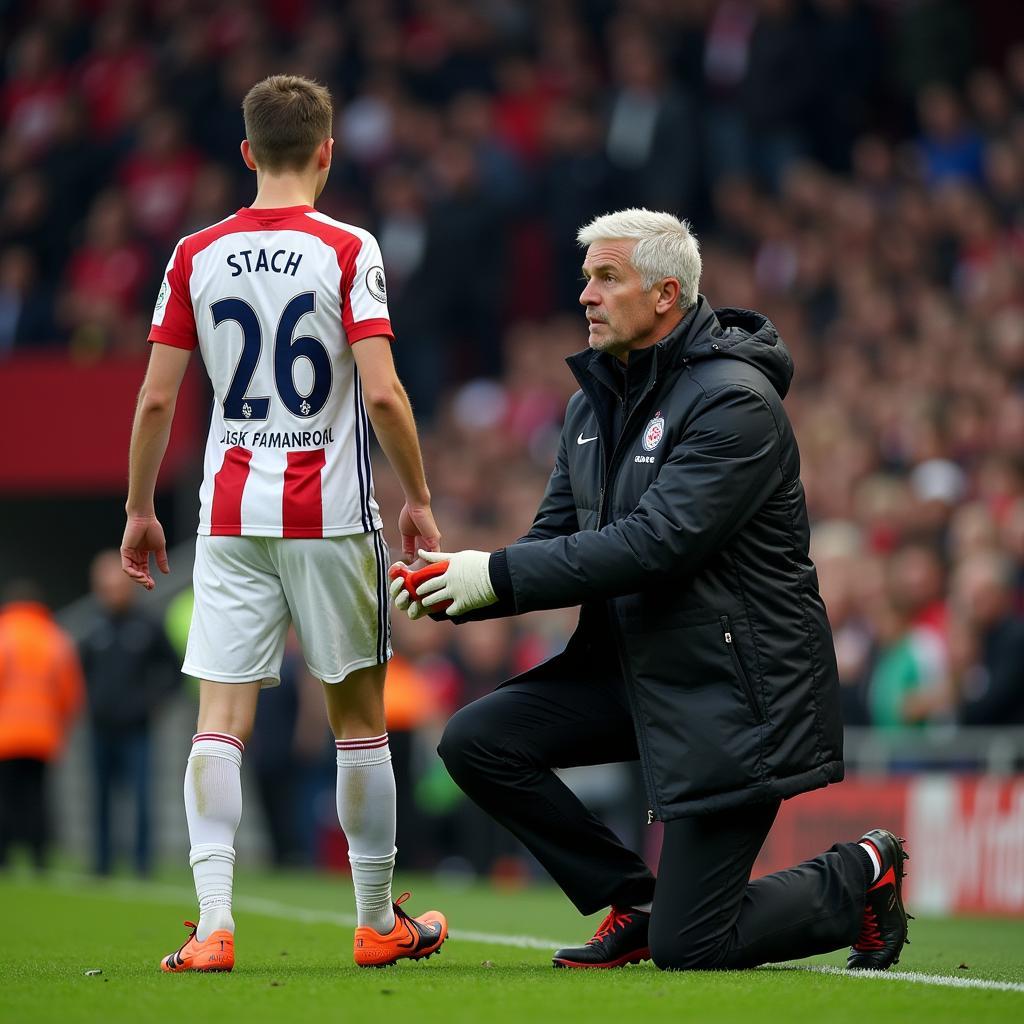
x,y
676,953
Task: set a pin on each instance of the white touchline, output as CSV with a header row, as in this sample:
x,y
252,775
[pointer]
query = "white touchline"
x,y
126,889
915,977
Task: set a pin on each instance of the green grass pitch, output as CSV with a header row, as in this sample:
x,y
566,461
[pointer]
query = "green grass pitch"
x,y
294,964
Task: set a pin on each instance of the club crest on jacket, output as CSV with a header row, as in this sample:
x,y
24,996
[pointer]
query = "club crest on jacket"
x,y
654,433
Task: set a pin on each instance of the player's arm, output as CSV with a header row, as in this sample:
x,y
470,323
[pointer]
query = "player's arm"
x,y
388,408
154,412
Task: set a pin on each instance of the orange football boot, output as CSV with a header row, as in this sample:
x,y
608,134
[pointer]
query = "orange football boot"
x,y
412,938
216,953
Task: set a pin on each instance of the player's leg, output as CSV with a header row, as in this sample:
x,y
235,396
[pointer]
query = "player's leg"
x,y
337,592
365,790
366,812
213,796
235,646
707,915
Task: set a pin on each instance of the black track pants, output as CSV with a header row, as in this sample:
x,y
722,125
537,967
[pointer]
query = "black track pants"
x,y
707,914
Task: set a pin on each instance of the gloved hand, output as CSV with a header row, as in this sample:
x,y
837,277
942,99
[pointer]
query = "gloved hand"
x,y
466,583
402,601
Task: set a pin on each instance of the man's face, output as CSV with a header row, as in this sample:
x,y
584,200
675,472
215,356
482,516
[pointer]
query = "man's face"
x,y
622,314
110,586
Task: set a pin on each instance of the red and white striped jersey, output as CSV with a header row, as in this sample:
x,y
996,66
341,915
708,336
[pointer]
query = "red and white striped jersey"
x,y
274,299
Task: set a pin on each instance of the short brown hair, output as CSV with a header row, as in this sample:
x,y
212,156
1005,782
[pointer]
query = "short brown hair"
x,y
286,118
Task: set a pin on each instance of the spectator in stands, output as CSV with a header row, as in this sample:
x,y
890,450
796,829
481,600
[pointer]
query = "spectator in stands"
x,y
950,148
26,304
992,683
780,86
25,220
159,177
31,98
40,695
105,278
130,671
649,120
111,72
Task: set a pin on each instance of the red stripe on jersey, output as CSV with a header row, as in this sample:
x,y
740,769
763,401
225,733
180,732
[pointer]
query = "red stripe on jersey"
x,y
228,484
302,508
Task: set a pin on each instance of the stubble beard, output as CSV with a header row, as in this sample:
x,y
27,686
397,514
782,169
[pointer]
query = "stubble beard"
x,y
606,341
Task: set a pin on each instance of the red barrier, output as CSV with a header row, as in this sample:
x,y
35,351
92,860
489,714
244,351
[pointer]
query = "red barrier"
x,y
65,427
965,836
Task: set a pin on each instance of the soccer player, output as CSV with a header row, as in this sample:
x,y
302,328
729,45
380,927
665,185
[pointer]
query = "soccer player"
x,y
289,310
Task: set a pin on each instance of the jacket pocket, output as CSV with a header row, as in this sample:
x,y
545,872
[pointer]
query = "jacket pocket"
x,y
698,733
741,672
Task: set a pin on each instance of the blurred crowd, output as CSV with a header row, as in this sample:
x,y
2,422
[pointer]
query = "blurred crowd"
x,y
853,169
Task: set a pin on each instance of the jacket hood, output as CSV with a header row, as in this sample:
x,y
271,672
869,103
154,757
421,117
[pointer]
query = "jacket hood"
x,y
737,334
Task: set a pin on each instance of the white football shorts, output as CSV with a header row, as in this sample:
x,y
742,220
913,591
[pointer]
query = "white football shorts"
x,y
249,590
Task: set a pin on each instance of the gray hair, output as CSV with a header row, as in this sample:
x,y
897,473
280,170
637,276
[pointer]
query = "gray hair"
x,y
665,247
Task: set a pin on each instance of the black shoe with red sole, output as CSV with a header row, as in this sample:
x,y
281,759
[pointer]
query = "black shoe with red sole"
x,y
621,939
883,930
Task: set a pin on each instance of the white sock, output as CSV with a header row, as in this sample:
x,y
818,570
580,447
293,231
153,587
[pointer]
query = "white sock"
x,y
213,807
366,811
876,864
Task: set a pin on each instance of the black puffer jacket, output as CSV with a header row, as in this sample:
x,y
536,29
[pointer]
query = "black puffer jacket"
x,y
688,538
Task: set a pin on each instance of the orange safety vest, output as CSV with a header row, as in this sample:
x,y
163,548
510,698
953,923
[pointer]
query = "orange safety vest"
x,y
41,686
409,699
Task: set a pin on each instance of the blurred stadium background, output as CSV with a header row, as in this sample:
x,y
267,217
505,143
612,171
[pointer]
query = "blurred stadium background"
x,y
853,168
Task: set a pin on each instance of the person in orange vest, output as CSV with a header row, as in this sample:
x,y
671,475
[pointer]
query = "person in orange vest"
x,y
41,693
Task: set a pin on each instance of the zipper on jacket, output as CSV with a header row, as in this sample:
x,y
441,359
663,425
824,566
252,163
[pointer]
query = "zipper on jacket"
x,y
610,474
605,492
748,688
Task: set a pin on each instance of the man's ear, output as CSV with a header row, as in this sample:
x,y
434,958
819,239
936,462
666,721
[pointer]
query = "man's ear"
x,y
325,154
668,295
247,155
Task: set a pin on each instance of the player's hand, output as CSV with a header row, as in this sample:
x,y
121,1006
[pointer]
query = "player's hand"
x,y
143,536
418,529
466,583
402,601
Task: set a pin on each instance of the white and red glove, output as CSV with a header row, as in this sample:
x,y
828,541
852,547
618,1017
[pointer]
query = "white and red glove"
x,y
466,583
404,582
402,601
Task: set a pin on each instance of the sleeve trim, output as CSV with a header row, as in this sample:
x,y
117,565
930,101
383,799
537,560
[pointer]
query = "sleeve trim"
x,y
160,336
369,328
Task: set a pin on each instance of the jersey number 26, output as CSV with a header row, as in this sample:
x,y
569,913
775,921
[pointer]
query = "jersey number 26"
x,y
240,406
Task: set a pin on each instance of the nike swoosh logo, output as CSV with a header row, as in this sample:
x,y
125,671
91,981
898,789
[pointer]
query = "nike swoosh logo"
x,y
585,440
413,934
